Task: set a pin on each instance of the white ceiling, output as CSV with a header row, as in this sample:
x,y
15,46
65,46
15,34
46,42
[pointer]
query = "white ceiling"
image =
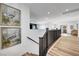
x,y
40,10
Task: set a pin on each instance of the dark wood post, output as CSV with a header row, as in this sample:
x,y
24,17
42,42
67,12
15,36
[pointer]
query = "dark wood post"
x,y
40,46
47,39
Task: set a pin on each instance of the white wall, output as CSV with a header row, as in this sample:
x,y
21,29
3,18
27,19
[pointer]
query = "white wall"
x,y
26,45
61,20
67,23
78,28
35,34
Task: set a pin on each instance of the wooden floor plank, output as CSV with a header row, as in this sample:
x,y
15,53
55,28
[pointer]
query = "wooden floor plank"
x,y
65,46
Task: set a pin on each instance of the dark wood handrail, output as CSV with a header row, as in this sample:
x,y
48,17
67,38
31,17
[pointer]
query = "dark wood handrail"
x,y
33,40
47,39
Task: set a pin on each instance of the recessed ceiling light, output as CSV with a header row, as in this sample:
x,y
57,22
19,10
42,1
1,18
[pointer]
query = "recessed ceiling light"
x,y
48,12
67,10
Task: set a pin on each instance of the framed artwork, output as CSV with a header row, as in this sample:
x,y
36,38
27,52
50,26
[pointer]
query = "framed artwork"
x,y
63,28
10,15
74,27
33,26
10,36
10,31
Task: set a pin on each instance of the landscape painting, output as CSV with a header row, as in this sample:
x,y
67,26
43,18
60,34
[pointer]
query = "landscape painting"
x,y
64,28
10,37
10,16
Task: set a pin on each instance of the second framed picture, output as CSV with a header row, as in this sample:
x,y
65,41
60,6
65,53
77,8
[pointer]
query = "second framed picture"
x,y
10,36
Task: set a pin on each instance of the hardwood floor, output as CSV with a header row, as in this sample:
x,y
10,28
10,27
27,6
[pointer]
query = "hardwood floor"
x,y
65,46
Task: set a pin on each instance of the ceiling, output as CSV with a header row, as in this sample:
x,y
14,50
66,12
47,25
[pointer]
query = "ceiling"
x,y
42,10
